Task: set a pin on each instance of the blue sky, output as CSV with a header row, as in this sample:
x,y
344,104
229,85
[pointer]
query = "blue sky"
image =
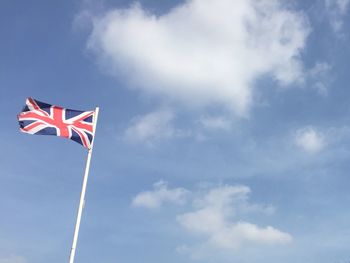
x,y
223,133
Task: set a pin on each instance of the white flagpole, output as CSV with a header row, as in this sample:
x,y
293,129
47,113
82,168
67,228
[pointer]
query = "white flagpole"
x,y
83,190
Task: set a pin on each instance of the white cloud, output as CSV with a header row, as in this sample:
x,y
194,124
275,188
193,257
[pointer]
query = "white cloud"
x,y
152,127
215,219
160,195
203,52
319,76
319,68
215,123
310,139
336,10
13,259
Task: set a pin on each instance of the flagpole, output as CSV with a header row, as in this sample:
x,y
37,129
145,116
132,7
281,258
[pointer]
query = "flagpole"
x,y
83,190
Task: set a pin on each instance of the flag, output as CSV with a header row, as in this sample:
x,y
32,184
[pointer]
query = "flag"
x,y
44,119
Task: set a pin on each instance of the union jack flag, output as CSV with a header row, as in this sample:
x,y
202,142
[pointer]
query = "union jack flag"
x,y
44,119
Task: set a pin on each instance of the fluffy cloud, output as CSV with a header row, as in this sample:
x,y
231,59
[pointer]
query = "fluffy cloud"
x,y
152,127
214,218
336,10
310,140
161,194
203,52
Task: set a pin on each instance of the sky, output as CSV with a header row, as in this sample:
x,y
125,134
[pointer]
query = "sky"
x,y
223,133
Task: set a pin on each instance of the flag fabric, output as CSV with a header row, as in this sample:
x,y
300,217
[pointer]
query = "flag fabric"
x,y
44,119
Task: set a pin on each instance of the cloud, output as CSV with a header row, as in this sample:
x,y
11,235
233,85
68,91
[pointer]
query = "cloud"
x,y
203,52
215,218
319,76
152,127
13,259
336,11
160,195
310,140
215,123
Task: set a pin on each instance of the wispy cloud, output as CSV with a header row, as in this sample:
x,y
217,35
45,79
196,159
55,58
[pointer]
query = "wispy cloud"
x,y
161,194
336,11
319,77
152,127
203,52
310,140
215,122
13,259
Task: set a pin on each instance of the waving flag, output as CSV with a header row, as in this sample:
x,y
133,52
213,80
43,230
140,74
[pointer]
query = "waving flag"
x,y
45,119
